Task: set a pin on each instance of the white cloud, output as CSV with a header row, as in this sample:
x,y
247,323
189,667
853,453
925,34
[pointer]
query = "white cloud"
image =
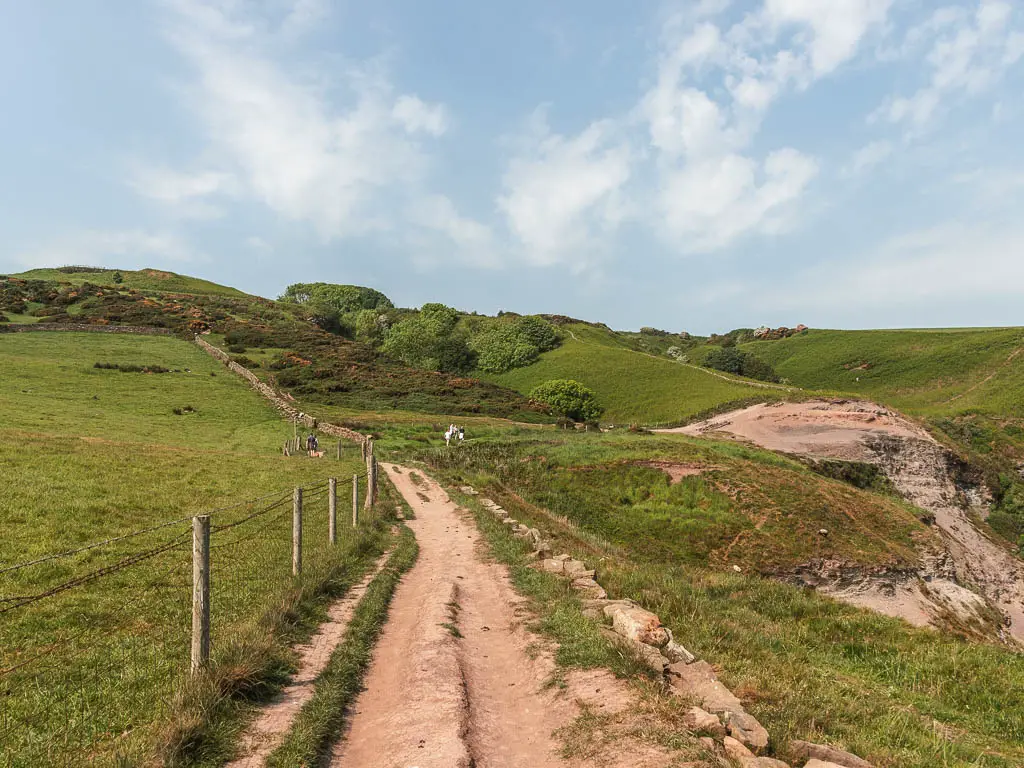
x,y
867,157
337,148
708,204
416,115
967,53
560,193
185,193
474,243
110,248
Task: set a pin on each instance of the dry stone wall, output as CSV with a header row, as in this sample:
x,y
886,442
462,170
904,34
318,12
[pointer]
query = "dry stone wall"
x,y
276,398
725,726
86,328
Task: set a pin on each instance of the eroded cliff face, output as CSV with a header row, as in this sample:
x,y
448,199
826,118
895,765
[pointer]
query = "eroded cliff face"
x,y
926,474
969,582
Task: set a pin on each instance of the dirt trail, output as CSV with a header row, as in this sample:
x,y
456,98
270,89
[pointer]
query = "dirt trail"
x,y
439,698
949,583
1013,355
267,730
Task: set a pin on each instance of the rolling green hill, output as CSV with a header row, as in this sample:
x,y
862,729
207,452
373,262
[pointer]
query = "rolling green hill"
x,y
929,372
143,280
632,386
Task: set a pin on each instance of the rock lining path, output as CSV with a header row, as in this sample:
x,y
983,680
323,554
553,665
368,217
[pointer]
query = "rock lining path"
x,y
437,698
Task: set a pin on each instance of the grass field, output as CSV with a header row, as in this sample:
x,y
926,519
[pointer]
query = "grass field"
x,y
920,371
806,666
142,279
632,386
94,672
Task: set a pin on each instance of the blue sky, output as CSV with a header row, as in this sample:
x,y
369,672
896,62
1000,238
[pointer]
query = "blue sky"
x,y
688,165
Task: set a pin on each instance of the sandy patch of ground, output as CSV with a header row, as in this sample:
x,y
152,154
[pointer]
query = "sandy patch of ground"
x,y
834,429
457,679
857,430
677,470
274,721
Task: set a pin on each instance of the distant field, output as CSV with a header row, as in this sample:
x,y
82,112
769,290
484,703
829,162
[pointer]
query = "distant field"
x,y
89,454
143,279
632,386
921,371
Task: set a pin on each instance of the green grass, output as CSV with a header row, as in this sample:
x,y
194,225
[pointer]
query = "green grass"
x,y
918,371
323,717
89,454
143,280
807,667
745,507
631,386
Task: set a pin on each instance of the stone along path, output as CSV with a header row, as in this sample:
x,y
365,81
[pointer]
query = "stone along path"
x,y
456,679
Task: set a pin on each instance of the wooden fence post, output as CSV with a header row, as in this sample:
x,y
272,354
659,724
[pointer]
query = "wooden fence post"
x,y
200,592
332,510
297,532
355,500
362,450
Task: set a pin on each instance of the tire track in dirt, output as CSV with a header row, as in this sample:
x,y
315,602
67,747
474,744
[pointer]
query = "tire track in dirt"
x,y
457,679
274,720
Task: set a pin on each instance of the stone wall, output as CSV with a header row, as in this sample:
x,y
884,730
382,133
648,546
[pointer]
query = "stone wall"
x,y
86,328
276,398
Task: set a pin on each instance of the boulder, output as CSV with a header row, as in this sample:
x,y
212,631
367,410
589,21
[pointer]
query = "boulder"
x,y
510,522
735,750
577,569
542,552
637,624
806,750
766,762
535,536
744,727
699,721
651,657
698,681
563,557
816,763
553,566
590,589
468,490
674,652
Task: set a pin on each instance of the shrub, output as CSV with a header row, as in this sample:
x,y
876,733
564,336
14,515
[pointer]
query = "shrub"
x,y
428,340
732,360
4,318
508,345
570,398
118,278
237,348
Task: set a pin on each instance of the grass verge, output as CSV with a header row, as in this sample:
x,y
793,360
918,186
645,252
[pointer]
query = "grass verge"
x,y
339,684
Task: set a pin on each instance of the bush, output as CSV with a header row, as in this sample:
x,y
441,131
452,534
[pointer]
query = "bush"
x,y
428,340
570,398
514,344
237,349
118,278
732,360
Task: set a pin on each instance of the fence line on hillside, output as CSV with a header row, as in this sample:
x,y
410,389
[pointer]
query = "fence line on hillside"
x,y
97,642
276,398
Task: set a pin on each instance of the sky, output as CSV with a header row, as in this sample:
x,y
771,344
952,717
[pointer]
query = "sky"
x,y
697,166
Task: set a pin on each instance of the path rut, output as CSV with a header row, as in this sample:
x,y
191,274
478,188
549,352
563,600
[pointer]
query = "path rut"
x,y
476,696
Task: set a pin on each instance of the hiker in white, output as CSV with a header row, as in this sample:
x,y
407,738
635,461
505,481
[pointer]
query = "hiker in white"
x,y
462,434
448,437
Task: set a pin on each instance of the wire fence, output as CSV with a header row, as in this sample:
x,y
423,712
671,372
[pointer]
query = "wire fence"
x,y
95,641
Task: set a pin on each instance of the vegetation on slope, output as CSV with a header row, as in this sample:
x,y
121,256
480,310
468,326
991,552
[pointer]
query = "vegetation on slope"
x,y
142,280
806,666
631,386
91,454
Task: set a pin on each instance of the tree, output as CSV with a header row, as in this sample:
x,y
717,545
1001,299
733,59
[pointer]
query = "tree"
x,y
512,344
341,298
429,340
118,278
570,398
727,359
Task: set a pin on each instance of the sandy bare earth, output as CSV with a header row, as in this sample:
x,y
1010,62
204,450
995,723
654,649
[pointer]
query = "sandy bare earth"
x,y
916,464
274,721
435,700
824,429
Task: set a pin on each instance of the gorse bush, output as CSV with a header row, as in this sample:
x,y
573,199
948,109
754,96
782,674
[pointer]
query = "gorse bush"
x,y
569,398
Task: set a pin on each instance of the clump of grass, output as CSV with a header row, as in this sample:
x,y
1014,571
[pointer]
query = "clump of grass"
x,y
131,368
183,410
323,716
